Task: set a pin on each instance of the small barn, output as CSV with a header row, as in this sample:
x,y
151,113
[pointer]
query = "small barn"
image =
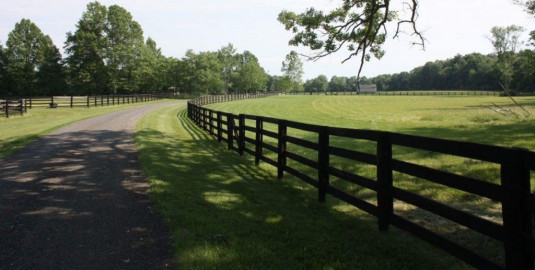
x,y
368,88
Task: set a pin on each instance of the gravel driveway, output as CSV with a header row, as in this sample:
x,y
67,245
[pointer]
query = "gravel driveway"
x,y
77,199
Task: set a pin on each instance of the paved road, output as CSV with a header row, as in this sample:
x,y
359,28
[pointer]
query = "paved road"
x,y
77,199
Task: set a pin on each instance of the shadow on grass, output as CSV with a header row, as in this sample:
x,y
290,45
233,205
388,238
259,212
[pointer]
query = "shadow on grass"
x,y
226,213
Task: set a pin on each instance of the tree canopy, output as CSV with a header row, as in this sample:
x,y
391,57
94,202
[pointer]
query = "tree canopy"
x,y
359,26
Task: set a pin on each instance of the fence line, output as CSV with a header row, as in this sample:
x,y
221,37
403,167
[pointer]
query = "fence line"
x,y
513,192
401,93
8,106
22,105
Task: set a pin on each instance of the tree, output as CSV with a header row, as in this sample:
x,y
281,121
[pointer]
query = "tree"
x,y
337,84
86,51
292,67
318,84
51,76
3,76
358,25
202,73
250,76
104,53
505,41
228,57
125,40
30,53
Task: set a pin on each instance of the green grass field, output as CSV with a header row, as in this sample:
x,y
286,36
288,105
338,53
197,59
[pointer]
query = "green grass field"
x,y
226,213
17,131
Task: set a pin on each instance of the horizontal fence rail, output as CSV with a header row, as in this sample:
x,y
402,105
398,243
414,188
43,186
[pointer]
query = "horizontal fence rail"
x,y
247,134
88,101
21,106
401,93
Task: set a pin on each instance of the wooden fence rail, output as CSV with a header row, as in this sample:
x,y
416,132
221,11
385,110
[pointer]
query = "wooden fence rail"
x,y
88,101
8,107
513,192
402,93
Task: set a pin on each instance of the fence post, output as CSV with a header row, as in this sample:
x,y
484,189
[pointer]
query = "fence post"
x,y
87,101
230,130
211,122
95,100
281,153
30,102
258,140
7,108
323,162
21,101
241,134
515,182
385,200
219,130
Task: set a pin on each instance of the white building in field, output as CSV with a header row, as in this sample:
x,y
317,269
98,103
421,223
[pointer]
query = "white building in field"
x,y
368,88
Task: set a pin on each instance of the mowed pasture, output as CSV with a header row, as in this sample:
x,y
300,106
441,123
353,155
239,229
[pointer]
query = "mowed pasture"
x,y
227,213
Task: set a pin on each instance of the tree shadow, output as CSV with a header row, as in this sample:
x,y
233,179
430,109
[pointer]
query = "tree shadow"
x,y
226,213
79,200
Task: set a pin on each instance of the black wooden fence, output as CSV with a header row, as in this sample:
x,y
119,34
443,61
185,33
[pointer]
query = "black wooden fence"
x,y
88,101
8,107
514,192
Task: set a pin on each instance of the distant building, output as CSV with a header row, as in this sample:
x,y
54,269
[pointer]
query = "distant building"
x,y
368,88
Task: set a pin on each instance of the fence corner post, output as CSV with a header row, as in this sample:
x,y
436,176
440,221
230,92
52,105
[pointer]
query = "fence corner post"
x,y
230,131
323,163
281,153
241,134
385,200
219,125
258,140
517,217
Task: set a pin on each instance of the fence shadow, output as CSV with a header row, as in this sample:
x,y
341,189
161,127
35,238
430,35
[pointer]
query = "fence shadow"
x,y
227,213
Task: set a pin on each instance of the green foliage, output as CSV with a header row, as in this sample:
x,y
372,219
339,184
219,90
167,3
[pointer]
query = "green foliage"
x,y
359,26
30,57
292,67
318,84
505,41
337,84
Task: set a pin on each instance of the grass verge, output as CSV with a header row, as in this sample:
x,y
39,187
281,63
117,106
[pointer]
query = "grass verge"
x,y
226,213
17,131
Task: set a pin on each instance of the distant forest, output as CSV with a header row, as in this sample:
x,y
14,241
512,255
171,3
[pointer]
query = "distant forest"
x,y
473,71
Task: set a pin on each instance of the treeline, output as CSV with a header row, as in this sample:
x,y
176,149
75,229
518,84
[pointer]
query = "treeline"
x,y
473,71
107,54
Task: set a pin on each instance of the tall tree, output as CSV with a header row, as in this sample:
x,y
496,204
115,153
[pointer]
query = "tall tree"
x,y
358,25
86,51
202,73
104,52
250,76
318,84
28,51
292,67
125,46
51,76
228,57
3,76
506,41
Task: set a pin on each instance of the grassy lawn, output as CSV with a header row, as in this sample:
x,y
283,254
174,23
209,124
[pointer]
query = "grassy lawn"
x,y
17,131
226,213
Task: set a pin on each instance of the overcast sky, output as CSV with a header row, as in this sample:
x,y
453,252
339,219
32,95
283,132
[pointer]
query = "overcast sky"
x,y
450,26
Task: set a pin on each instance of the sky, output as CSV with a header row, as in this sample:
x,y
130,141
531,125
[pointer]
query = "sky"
x,y
450,26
